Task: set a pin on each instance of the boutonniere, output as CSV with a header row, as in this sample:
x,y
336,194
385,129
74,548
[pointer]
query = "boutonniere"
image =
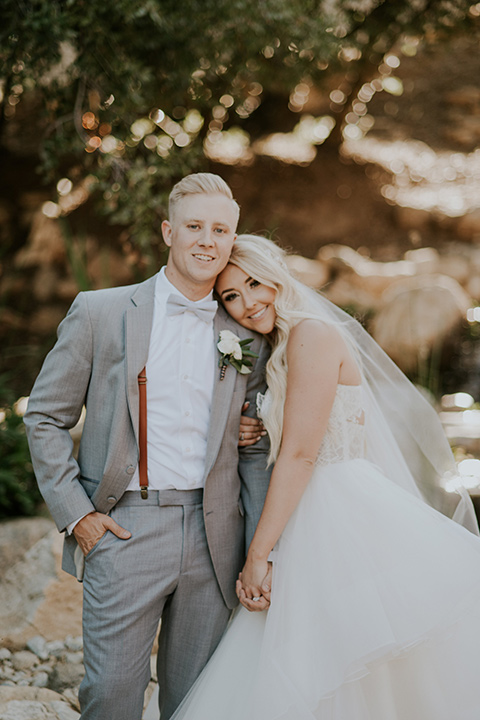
x,y
234,352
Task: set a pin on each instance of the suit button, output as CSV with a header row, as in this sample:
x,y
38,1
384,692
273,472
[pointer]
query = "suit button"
x,y
111,499
130,469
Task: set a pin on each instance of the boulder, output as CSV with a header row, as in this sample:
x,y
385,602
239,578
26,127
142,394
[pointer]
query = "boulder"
x,y
417,315
31,703
38,601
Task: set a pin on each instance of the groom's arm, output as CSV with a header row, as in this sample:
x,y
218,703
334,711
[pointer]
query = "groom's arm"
x,y
253,459
54,407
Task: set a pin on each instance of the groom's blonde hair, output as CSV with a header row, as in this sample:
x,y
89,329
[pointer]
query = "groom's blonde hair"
x,y
199,184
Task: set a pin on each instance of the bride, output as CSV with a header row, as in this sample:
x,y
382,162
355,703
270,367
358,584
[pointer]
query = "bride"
x,y
375,597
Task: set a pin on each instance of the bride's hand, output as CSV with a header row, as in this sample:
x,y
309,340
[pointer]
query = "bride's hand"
x,y
251,429
255,581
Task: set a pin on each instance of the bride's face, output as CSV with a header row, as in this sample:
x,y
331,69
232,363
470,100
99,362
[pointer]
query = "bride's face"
x,y
248,301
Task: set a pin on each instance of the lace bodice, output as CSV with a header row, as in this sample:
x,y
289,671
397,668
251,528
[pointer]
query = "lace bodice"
x,y
344,436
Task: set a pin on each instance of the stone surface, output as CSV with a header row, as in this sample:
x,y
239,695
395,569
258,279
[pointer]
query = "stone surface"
x,y
24,660
418,314
38,646
37,599
28,703
66,675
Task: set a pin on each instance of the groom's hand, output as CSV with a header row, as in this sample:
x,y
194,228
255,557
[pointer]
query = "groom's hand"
x,y
264,602
91,528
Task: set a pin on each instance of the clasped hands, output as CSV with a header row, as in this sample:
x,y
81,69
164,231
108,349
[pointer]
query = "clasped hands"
x,y
254,585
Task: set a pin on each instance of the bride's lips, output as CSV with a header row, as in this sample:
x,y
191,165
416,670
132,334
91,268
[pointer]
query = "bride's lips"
x,y
258,315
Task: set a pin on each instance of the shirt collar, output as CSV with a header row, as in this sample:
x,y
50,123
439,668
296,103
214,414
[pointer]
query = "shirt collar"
x,y
163,288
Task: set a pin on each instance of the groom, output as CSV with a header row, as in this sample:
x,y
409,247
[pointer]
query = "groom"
x,y
176,553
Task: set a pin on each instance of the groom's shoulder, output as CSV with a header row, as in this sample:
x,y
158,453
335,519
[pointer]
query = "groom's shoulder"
x,y
118,297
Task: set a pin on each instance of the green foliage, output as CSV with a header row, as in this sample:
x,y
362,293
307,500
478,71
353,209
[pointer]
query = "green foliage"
x,y
101,68
19,494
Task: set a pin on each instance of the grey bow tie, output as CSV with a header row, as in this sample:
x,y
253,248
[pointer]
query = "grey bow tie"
x,y
176,305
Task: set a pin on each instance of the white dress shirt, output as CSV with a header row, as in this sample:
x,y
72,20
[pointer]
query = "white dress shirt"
x,y
180,374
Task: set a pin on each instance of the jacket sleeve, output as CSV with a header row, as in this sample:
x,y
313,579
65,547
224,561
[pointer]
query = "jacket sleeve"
x,y
54,407
254,474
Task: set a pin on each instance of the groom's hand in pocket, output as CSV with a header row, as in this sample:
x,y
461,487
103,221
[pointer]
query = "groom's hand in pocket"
x,y
91,528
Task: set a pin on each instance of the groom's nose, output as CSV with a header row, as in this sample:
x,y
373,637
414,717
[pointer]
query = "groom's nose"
x,y
206,237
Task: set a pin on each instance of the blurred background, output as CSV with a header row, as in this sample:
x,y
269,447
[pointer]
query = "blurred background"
x,y
347,129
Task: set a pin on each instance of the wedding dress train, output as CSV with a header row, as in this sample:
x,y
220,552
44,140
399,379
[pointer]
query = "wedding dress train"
x,y
375,611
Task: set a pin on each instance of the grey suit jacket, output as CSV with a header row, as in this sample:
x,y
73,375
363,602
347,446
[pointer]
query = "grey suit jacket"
x,y
102,345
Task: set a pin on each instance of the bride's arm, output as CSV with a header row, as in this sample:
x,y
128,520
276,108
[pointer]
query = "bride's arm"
x,y
315,353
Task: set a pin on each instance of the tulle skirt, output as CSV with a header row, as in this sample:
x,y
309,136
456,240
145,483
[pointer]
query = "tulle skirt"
x,y
375,615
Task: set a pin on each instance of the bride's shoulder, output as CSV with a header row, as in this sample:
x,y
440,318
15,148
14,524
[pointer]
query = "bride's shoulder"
x,y
312,331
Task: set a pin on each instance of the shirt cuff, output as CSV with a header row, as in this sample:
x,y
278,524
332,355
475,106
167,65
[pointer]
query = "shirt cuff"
x,y
72,525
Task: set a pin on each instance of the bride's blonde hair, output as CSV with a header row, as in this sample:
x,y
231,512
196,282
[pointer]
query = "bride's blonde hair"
x,y
265,261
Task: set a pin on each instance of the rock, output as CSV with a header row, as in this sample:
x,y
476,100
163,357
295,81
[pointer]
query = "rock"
x,y
5,654
64,711
38,645
74,643
22,585
40,680
24,660
56,648
31,703
65,675
26,710
74,658
418,314
310,272
18,536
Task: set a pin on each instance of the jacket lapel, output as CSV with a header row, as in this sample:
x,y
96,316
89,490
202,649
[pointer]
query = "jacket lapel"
x,y
222,391
138,327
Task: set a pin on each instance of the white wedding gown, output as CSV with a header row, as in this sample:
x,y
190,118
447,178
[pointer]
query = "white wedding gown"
x,y
375,611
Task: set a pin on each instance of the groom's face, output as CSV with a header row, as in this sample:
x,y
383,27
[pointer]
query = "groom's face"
x,y
200,235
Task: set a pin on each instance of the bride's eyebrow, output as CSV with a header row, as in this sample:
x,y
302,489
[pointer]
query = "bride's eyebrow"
x,y
233,289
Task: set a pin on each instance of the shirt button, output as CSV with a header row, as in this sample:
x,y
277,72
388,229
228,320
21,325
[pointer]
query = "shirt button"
x,y
187,449
185,377
130,470
187,340
187,413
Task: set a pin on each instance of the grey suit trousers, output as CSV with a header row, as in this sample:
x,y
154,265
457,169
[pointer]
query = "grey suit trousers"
x,y
163,571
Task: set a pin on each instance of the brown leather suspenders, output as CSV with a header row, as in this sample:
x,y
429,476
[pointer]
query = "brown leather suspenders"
x,y
142,434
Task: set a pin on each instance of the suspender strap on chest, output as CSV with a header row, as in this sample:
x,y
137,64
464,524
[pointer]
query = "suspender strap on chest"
x,y
142,434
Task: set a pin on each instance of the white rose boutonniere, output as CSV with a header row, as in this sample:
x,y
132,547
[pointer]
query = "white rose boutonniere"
x,y
234,352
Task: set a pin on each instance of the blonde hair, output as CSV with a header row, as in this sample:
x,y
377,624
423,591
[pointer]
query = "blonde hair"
x,y
199,184
265,261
